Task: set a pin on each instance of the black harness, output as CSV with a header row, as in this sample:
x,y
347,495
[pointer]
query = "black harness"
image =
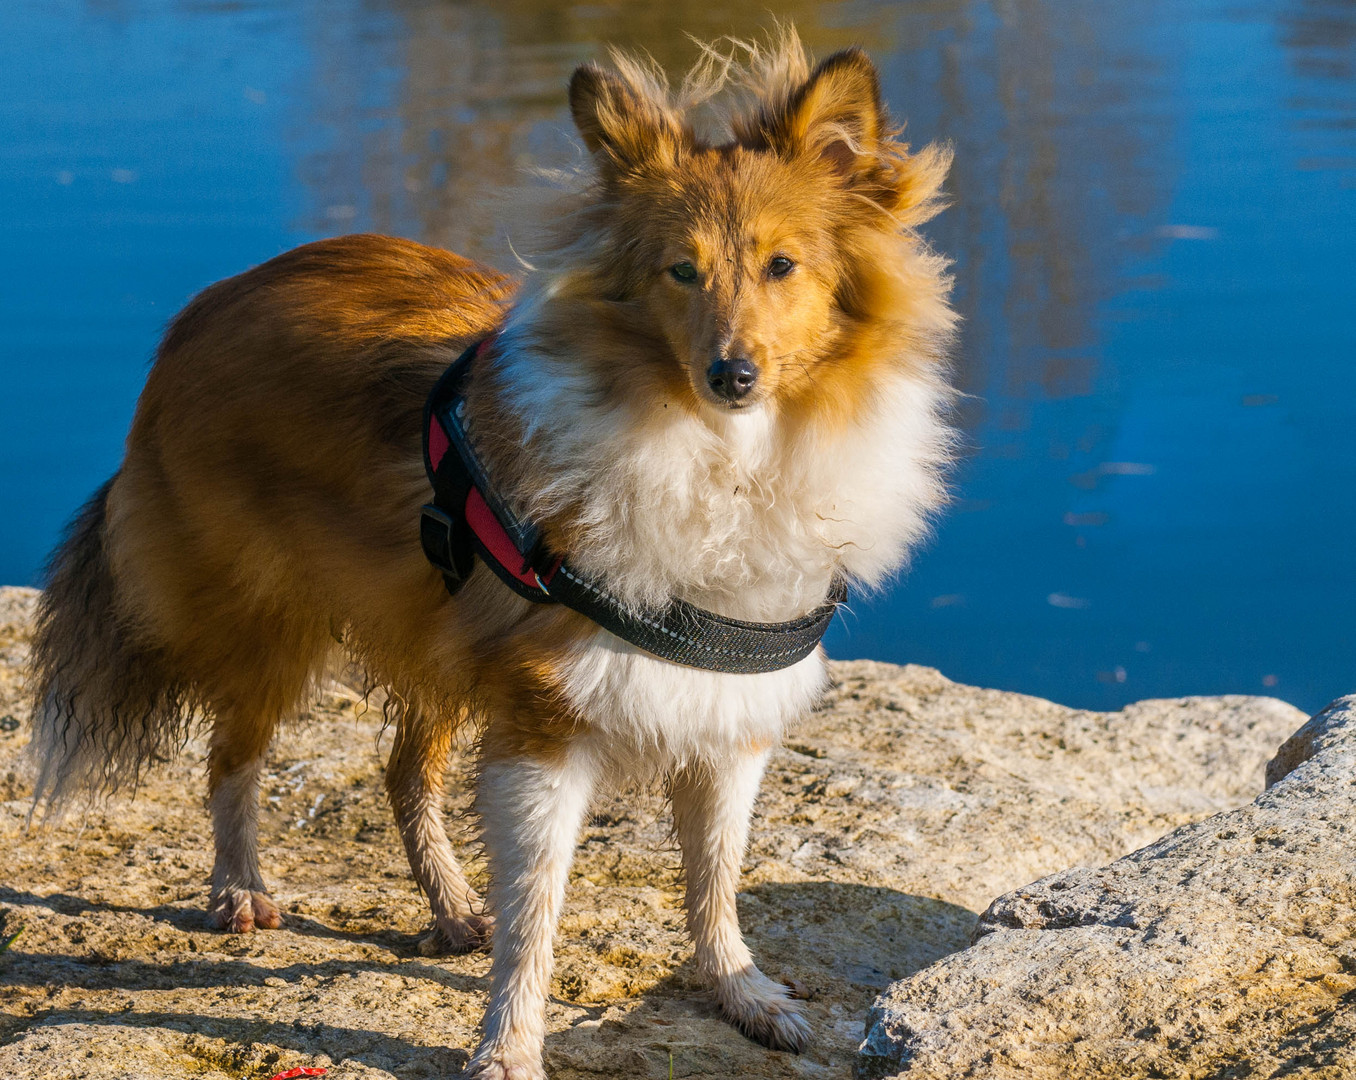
x,y
467,518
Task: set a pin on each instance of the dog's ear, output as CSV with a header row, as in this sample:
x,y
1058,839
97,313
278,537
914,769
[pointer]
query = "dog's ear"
x,y
623,128
836,114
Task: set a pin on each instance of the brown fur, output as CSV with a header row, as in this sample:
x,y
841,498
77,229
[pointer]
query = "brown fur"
x,y
266,506
276,494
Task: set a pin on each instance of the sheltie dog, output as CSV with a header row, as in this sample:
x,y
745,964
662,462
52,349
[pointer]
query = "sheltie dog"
x,y
722,380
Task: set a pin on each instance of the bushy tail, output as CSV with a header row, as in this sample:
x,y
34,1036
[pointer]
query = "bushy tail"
x,y
103,704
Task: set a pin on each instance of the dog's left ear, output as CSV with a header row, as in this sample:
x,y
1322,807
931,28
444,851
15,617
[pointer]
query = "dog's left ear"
x,y
835,114
838,116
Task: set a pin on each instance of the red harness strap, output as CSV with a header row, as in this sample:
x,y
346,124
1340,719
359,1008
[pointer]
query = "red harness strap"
x,y
495,539
438,442
495,543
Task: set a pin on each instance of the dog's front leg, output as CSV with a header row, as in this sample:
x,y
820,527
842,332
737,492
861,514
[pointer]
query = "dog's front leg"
x,y
711,808
531,811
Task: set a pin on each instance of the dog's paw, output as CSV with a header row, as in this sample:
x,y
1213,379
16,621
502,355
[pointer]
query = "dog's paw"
x,y
763,1010
454,936
238,911
500,1063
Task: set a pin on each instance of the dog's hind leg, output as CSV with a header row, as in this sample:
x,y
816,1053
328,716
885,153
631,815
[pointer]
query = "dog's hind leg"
x,y
259,671
414,784
239,901
711,807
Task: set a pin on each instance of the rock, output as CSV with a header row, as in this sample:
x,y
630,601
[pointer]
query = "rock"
x,y
1225,949
1323,732
895,813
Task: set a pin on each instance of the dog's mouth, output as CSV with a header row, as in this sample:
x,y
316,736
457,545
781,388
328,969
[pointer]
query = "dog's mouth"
x,y
721,405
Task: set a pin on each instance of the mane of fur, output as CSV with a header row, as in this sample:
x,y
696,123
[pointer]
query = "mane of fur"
x,y
747,514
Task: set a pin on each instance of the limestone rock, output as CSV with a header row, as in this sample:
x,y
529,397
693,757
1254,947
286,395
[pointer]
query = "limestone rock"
x,y
895,812
1225,949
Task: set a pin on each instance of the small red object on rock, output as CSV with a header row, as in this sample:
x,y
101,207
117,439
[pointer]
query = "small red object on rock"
x,y
291,1074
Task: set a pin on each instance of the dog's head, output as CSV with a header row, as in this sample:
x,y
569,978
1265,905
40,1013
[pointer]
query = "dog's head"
x,y
768,268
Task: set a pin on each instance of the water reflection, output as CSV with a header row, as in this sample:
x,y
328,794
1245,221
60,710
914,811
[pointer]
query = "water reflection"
x,y
1153,227
1319,37
470,95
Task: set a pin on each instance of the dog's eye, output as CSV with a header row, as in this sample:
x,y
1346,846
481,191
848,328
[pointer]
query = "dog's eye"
x,y
779,266
684,272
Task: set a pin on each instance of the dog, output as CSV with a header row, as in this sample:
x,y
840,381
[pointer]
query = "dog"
x,y
722,382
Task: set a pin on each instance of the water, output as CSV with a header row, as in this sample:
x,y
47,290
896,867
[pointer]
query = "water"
x,y
1154,231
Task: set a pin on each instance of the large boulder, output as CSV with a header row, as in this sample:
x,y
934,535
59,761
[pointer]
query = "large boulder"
x,y
1225,949
893,815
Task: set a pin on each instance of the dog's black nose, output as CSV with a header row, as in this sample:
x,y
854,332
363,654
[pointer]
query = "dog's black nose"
x,y
732,379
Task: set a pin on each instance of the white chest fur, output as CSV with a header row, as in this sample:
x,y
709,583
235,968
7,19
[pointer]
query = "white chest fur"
x,y
650,710
743,514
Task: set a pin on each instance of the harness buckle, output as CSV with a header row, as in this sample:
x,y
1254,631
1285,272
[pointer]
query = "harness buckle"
x,y
438,537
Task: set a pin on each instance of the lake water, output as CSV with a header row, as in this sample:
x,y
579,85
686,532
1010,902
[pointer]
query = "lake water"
x,y
1154,232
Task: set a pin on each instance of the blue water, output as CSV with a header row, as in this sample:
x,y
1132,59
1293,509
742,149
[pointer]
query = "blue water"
x,y
1154,231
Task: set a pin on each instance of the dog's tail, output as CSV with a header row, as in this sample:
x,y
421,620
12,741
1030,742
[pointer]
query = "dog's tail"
x,y
103,704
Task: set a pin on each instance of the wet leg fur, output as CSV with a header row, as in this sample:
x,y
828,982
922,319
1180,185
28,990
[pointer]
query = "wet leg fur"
x,y
253,666
239,900
414,784
711,808
532,811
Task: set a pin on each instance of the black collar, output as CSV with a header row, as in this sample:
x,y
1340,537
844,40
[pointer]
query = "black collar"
x,y
467,518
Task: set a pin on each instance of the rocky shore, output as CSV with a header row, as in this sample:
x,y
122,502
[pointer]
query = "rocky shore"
x,y
890,821
1225,949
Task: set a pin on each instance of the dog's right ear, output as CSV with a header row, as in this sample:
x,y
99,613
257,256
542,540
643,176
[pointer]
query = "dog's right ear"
x,y
623,128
